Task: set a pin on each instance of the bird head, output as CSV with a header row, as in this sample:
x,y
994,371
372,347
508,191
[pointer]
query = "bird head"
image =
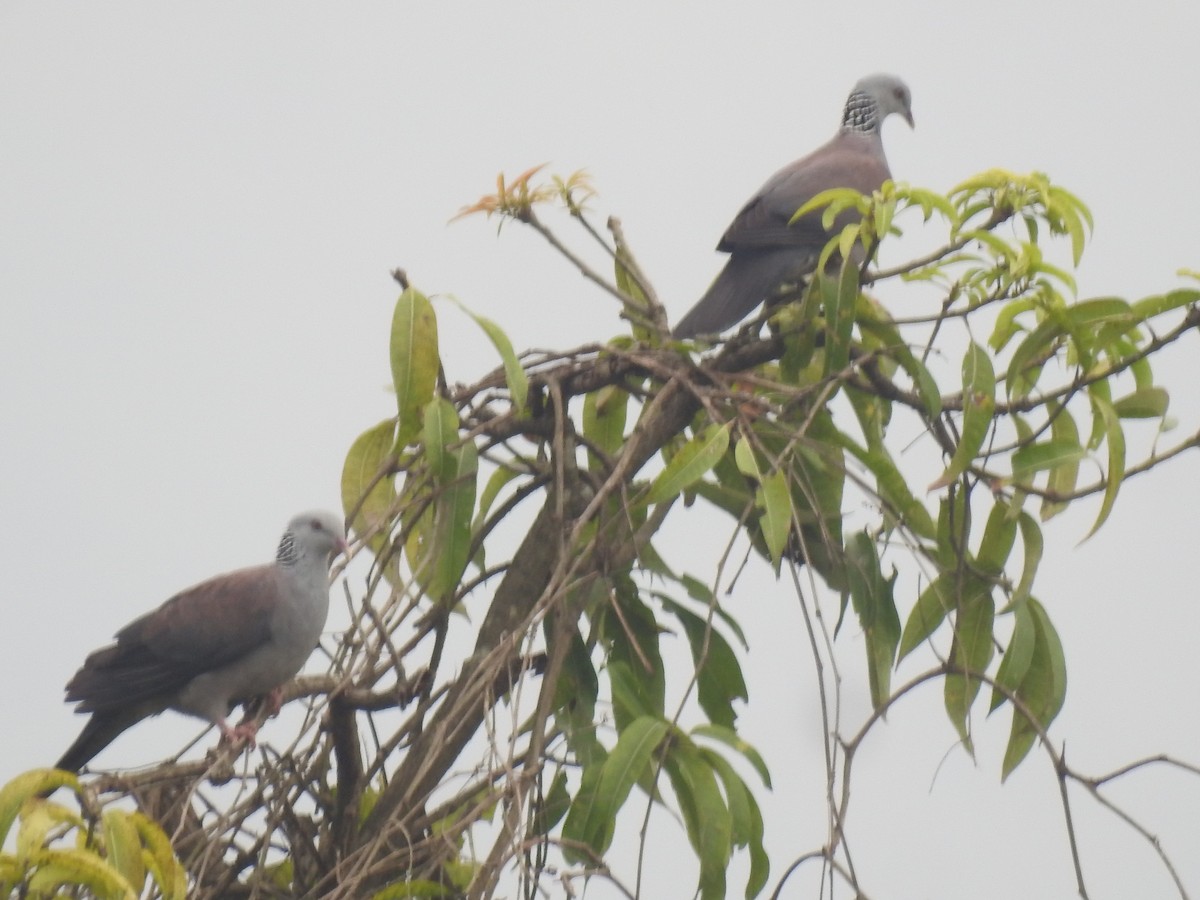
x,y
319,533
887,93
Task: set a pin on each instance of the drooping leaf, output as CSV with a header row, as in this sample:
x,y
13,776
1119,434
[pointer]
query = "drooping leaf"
x,y
1115,473
979,403
1031,543
1017,656
124,846
165,868
745,819
592,817
930,610
705,815
514,373
366,483
894,489
719,679
731,739
604,421
972,651
774,499
631,631
1063,477
15,792
1042,690
55,868
872,596
444,550
840,299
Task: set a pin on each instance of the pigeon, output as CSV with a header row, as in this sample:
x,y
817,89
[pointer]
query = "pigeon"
x,y
764,250
227,640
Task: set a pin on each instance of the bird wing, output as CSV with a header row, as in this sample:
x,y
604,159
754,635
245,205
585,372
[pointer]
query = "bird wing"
x,y
847,161
203,628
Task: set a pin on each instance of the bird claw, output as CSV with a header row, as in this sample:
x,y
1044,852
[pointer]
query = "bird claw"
x,y
242,733
272,702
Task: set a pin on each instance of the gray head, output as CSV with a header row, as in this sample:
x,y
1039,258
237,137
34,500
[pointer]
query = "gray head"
x,y
873,99
316,534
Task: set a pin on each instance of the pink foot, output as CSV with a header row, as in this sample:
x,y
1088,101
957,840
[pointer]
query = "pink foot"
x,y
273,702
242,733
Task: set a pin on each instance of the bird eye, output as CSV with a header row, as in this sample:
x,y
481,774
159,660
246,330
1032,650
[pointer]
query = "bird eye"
x,y
316,525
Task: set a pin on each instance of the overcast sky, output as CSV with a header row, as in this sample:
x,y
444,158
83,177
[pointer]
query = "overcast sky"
x,y
199,208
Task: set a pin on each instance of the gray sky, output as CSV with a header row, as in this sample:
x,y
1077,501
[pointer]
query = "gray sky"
x,y
201,205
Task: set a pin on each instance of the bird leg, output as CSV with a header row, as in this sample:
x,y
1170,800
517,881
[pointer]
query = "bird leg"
x,y
272,702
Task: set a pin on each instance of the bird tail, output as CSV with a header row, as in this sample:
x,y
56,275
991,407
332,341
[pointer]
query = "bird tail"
x,y
747,279
100,731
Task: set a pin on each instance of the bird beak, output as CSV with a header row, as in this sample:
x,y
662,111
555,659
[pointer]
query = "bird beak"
x,y
908,117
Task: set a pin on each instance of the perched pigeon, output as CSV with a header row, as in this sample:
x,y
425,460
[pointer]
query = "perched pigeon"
x,y
764,251
226,640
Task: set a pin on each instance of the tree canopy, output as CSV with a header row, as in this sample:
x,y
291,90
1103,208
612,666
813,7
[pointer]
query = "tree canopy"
x,y
524,508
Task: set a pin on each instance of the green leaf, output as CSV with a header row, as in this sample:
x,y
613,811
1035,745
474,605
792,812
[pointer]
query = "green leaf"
x,y
26,786
927,614
76,866
840,300
592,818
367,482
629,694
1064,477
775,500
693,461
514,374
836,199
972,652
1157,305
1029,356
706,817
893,488
871,321
977,419
719,679
1007,326
445,553
746,819
439,433
1050,454
1031,542
1144,403
415,361
495,484
733,740
1042,690
998,538
554,804
872,596
632,633
1115,474
747,462
604,414
1017,657
575,704
979,403
1097,310
124,846
165,868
